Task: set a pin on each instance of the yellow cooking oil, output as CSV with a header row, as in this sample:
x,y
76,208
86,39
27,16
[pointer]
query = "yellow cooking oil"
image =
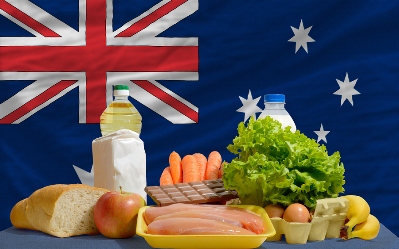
x,y
120,114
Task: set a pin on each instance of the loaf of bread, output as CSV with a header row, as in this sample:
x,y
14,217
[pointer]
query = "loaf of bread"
x,y
60,210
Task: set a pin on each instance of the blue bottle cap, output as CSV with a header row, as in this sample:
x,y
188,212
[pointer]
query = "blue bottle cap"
x,y
276,98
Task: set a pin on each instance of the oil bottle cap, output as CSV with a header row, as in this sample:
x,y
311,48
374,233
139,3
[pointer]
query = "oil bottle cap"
x,y
121,87
121,90
276,98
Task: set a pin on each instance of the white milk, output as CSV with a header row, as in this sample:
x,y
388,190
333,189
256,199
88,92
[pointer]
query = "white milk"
x,y
274,107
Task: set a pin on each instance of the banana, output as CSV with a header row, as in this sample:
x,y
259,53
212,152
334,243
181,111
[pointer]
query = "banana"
x,y
358,211
366,230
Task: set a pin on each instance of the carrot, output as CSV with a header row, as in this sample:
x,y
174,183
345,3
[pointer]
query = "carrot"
x,y
175,167
166,177
201,161
190,169
221,170
213,166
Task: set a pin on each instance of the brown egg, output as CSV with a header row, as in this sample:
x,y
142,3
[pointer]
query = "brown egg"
x,y
274,211
296,212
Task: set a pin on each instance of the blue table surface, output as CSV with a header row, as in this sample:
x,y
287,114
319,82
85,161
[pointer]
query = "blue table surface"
x,y
16,238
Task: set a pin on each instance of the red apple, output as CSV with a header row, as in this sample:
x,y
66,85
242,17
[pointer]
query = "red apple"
x,y
115,214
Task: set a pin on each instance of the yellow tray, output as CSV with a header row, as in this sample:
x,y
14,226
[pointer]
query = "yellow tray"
x,y
207,241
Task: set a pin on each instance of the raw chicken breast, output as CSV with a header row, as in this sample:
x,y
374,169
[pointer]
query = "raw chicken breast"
x,y
233,215
197,226
151,213
203,214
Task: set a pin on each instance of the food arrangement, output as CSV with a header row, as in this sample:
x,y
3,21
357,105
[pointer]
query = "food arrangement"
x,y
284,184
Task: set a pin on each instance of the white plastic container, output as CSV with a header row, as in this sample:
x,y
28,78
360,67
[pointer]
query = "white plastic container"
x,y
119,160
120,114
274,107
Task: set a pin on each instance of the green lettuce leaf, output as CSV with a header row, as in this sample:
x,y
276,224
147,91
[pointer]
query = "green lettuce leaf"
x,y
274,165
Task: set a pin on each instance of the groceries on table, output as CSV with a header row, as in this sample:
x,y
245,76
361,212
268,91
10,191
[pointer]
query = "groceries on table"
x,y
280,183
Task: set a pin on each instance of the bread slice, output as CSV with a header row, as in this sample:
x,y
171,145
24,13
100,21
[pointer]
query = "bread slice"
x,y
60,210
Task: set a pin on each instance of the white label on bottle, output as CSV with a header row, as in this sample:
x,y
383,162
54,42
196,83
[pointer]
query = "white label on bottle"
x,y
285,121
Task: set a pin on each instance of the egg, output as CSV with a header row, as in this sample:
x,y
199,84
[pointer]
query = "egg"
x,y
296,212
274,211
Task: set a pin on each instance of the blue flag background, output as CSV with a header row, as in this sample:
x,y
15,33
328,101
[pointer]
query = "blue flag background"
x,y
243,46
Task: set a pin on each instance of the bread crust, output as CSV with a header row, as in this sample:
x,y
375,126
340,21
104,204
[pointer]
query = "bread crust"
x,y
18,216
36,211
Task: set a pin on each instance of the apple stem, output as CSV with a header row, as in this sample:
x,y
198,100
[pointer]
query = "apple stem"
x,y
120,187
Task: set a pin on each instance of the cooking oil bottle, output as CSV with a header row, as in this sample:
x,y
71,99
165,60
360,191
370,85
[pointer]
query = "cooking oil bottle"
x,y
120,114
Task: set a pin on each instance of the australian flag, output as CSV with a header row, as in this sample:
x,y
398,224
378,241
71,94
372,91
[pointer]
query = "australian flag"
x,y
195,69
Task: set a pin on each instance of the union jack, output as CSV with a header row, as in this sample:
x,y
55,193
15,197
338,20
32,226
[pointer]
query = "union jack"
x,y
96,57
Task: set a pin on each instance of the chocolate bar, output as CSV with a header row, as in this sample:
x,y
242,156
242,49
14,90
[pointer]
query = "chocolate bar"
x,y
208,191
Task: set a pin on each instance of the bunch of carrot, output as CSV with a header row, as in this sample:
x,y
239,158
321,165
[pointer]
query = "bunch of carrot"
x,y
191,168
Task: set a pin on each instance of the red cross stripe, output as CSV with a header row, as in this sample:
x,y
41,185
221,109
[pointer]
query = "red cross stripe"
x,y
95,58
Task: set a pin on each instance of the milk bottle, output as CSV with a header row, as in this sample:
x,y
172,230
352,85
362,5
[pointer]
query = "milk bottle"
x,y
274,107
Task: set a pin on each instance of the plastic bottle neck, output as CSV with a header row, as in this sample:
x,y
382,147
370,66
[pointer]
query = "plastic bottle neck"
x,y
119,98
274,105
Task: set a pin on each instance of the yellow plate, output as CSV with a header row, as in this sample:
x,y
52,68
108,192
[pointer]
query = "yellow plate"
x,y
207,241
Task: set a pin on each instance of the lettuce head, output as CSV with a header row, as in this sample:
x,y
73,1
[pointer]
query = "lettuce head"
x,y
275,165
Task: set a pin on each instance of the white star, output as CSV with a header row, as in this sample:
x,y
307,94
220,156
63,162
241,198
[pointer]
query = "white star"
x,y
249,106
346,89
301,37
321,134
84,176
